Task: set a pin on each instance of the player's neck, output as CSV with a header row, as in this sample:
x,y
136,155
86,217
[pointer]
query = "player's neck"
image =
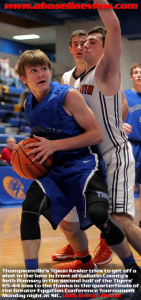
x,y
40,95
80,68
137,88
91,64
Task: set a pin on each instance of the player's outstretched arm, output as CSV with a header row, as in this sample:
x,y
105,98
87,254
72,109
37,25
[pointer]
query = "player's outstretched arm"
x,y
108,68
75,106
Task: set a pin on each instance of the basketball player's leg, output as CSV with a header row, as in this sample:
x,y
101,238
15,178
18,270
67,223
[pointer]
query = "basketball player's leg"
x,y
121,193
131,231
97,204
70,226
97,209
32,207
114,236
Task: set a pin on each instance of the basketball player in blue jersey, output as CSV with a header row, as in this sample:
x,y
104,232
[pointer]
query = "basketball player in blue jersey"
x,y
64,126
77,40
101,88
132,125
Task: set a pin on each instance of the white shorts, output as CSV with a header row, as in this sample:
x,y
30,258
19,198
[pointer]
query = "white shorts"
x,y
120,172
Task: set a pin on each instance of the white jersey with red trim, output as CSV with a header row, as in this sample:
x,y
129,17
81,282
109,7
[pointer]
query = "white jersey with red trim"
x,y
108,111
70,78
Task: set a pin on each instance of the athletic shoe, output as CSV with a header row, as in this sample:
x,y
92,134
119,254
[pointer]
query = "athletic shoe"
x,y
135,276
65,253
76,265
103,254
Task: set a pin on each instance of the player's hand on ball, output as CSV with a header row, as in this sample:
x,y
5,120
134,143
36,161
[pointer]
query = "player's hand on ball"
x,y
44,148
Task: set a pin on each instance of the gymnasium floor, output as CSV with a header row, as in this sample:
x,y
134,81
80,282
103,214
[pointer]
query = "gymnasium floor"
x,y
11,252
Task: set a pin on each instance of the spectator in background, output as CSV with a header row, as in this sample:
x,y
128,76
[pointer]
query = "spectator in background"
x,y
4,69
13,71
14,79
132,125
6,153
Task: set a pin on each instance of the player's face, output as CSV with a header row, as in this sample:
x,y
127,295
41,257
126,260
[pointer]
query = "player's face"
x,y
93,47
136,76
38,79
77,47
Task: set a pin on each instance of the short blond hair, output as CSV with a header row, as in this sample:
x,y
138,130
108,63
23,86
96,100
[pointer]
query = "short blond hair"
x,y
134,66
32,58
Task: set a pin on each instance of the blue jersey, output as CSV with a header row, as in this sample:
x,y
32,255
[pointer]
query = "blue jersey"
x,y
49,119
134,114
69,179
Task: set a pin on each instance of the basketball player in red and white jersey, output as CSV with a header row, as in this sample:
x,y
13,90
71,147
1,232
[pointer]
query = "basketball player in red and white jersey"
x,y
77,40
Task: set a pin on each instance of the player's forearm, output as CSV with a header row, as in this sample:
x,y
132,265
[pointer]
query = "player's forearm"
x,y
108,17
84,140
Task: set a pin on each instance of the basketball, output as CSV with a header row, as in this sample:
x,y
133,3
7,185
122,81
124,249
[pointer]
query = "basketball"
x,y
23,164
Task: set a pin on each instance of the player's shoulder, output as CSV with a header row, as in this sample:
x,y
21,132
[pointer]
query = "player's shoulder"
x,y
69,73
127,92
28,100
56,87
29,97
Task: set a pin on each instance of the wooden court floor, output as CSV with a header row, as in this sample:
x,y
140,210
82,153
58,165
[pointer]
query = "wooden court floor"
x,y
11,256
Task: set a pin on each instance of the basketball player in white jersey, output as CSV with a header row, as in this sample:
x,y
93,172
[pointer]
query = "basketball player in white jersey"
x,y
101,88
77,40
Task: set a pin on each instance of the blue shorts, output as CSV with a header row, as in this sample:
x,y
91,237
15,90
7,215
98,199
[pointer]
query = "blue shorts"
x,y
136,147
71,182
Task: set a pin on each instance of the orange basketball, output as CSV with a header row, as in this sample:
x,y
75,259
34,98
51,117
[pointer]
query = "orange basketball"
x,y
23,164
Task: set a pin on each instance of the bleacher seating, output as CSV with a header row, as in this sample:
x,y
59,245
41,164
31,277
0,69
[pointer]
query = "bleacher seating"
x,y
7,106
14,122
11,117
13,90
2,129
9,110
4,112
18,137
14,100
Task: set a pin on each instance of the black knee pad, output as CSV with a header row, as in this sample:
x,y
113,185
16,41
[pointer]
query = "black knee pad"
x,y
98,213
35,203
35,199
30,229
113,234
